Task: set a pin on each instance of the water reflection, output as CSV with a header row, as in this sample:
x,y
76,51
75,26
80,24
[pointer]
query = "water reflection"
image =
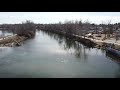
x,y
117,73
113,58
70,45
76,48
4,51
5,33
53,55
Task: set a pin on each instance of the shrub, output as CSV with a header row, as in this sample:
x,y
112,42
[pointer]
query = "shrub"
x,y
26,29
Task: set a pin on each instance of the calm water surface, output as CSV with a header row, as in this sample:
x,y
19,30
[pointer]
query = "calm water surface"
x,y
53,56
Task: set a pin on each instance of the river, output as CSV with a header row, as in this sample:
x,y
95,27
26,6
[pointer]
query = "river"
x,y
50,55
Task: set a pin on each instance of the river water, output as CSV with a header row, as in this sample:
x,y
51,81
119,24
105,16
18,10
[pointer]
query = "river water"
x,y
50,55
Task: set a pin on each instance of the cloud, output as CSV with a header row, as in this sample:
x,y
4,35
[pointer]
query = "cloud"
x,y
54,17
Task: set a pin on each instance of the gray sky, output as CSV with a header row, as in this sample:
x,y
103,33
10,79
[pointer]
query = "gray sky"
x,y
54,17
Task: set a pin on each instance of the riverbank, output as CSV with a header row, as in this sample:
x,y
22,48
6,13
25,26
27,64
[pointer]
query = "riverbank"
x,y
100,43
12,41
91,42
87,42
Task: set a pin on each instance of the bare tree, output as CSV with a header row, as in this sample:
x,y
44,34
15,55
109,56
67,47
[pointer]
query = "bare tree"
x,y
26,29
104,29
110,28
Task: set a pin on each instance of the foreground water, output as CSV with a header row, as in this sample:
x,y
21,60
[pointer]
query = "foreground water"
x,y
53,56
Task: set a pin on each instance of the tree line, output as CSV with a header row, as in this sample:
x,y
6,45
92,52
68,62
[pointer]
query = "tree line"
x,y
82,28
76,27
26,28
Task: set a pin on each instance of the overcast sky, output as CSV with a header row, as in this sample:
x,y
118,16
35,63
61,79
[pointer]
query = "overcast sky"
x,y
54,17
